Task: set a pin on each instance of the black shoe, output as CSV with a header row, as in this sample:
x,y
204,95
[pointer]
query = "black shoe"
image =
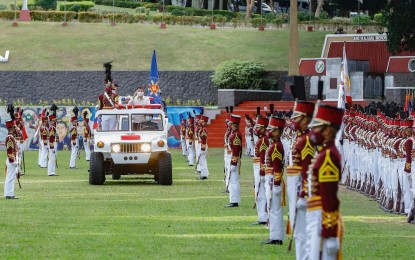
x,y
190,164
270,241
54,175
411,215
232,205
259,223
202,178
11,198
72,167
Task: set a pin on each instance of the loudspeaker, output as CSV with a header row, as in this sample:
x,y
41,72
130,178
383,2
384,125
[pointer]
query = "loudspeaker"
x,y
298,88
320,87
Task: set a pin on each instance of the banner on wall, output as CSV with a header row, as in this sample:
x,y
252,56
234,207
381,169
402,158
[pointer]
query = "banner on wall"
x,y
31,117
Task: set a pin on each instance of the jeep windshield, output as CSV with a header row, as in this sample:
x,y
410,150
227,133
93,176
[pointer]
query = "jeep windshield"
x,y
130,122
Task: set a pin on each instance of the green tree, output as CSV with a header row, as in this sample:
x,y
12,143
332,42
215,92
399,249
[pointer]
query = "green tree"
x,y
46,4
399,18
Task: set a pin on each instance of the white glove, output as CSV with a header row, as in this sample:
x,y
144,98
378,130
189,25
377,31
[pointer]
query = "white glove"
x,y
301,203
233,168
332,245
277,189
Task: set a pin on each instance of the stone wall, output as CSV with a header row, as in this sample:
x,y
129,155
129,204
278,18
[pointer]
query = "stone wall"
x,y
35,86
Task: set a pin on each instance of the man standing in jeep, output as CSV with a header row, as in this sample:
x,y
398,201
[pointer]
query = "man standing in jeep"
x,y
138,98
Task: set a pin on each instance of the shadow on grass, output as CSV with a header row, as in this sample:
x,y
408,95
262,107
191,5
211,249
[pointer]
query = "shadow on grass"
x,y
131,180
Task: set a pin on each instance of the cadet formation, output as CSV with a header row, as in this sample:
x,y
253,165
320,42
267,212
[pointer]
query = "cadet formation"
x,y
301,143
367,149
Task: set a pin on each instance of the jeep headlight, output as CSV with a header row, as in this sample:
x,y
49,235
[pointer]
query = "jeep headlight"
x,y
116,148
145,148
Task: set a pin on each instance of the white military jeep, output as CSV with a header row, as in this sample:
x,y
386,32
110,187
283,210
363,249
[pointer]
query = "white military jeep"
x,y
131,141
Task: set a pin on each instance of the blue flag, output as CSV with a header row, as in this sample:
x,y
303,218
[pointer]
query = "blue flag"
x,y
153,82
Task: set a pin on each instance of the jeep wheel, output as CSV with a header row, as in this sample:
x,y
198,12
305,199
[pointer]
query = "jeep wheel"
x,y
165,169
116,176
96,171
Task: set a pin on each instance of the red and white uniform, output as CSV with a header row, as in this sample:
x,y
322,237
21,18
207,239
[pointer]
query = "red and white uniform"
x,y
11,163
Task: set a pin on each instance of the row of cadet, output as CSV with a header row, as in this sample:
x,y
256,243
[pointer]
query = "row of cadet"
x,y
378,149
303,146
47,138
194,139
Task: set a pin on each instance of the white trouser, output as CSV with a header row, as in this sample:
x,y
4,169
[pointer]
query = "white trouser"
x,y
261,201
44,156
109,122
250,147
20,154
325,255
260,198
183,143
204,171
292,190
198,149
313,234
228,158
52,162
87,150
268,183
40,145
234,186
406,188
10,177
300,234
74,153
276,221
191,152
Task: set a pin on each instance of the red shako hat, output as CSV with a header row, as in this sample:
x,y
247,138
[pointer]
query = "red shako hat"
x,y
262,121
10,123
303,108
327,115
276,122
204,118
235,119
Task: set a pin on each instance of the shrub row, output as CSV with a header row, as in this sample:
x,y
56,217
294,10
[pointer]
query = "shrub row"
x,y
77,6
128,4
45,16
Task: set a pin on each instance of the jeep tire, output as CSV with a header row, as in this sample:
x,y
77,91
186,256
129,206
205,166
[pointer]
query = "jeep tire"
x,y
96,171
165,169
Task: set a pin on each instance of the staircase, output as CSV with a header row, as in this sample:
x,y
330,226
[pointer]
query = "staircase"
x,y
216,128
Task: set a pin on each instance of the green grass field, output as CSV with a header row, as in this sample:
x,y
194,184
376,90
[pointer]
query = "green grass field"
x,y
79,46
66,218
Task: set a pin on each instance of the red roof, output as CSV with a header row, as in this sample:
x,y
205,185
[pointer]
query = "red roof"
x,y
376,52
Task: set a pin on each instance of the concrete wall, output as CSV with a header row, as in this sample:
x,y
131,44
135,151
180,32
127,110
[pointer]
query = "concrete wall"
x,y
33,86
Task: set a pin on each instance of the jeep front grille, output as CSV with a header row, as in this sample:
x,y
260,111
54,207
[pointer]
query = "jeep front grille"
x,y
130,148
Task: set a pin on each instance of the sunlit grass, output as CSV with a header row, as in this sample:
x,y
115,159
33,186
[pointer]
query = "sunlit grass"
x,y
66,218
45,46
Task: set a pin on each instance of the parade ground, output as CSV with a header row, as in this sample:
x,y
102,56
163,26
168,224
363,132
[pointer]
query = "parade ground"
x,y
63,217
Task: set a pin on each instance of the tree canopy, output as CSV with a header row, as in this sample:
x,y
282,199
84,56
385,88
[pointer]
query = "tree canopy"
x,y
399,19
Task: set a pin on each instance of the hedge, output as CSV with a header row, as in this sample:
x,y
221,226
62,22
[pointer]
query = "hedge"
x,y
89,17
128,4
83,6
44,16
